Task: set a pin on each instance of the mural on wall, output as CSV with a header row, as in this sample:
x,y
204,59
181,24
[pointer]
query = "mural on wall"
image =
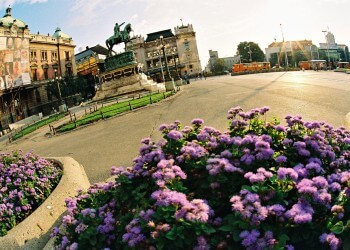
x,y
14,62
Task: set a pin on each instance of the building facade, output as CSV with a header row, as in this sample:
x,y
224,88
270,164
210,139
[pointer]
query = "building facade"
x,y
28,62
181,52
227,61
291,52
90,62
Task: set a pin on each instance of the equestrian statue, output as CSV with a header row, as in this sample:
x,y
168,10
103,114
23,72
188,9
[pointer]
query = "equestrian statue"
x,y
119,36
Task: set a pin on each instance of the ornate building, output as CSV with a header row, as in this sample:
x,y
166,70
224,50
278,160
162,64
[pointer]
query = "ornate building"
x,y
90,62
28,62
180,50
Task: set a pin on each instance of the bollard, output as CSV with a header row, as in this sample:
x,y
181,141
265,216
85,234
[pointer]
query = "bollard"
x,y
150,99
130,106
102,114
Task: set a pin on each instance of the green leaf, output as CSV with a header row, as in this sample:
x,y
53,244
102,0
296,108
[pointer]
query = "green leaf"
x,y
283,239
226,228
209,230
171,235
246,187
338,228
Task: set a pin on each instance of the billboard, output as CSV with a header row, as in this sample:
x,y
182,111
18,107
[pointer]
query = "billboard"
x,y
14,62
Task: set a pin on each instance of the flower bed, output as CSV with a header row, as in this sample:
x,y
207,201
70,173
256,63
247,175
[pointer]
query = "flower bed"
x,y
258,186
26,180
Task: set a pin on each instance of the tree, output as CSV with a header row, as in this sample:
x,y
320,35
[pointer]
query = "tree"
x,y
68,86
250,50
218,66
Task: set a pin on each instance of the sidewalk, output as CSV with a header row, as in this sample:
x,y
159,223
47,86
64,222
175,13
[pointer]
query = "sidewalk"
x,y
79,111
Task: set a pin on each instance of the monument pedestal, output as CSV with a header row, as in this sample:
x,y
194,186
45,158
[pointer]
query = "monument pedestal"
x,y
170,85
178,82
122,77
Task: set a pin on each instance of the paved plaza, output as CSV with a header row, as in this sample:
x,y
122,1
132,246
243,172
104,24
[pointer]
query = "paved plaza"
x,y
322,96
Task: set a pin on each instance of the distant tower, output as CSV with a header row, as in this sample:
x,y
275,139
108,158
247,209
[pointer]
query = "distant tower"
x,y
187,49
330,38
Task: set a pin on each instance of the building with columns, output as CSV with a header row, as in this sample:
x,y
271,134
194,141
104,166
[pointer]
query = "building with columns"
x,y
28,63
180,50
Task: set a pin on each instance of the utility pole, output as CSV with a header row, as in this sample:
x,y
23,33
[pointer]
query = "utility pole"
x,y
284,45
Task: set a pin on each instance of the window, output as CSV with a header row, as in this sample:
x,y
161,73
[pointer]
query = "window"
x,y
67,56
35,78
32,55
54,56
43,55
68,71
46,75
187,46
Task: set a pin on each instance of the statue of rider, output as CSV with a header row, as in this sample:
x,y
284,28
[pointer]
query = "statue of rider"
x,y
117,30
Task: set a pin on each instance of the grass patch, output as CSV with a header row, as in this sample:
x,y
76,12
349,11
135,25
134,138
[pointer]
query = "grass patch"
x,y
113,110
29,129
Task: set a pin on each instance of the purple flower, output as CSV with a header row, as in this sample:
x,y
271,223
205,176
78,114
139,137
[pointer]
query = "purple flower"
x,y
260,176
332,240
133,235
283,173
281,159
216,165
202,244
174,135
300,213
197,122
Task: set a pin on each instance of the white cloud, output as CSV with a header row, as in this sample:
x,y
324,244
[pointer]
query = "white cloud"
x,y
6,3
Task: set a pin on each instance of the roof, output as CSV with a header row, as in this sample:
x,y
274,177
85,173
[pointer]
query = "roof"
x,y
156,35
98,49
59,34
7,20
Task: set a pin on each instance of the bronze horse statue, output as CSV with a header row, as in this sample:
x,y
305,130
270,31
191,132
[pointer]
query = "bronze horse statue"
x,y
122,37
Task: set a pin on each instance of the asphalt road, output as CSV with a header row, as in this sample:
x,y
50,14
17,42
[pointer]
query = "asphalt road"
x,y
321,96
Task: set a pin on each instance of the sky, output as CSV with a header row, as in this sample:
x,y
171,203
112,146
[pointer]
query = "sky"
x,y
219,25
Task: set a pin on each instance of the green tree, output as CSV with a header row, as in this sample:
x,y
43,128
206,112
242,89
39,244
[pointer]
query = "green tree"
x,y
68,86
298,56
250,50
218,66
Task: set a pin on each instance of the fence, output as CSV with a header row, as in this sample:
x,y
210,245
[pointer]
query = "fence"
x,y
36,124
100,110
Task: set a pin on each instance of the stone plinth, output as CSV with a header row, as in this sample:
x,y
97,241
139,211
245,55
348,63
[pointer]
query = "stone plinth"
x,y
170,85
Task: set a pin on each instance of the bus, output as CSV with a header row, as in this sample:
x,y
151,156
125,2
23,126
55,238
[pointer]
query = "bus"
x,y
343,65
247,67
318,64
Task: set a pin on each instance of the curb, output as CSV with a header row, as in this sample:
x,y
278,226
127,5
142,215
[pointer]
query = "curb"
x,y
34,231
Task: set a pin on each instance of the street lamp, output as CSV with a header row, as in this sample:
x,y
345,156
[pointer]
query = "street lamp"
x,y
58,85
284,45
177,77
325,36
250,52
162,46
160,64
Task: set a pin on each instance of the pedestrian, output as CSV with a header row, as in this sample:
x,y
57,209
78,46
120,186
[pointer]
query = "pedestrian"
x,y
187,80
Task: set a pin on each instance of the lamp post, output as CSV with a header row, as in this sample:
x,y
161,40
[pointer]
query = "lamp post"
x,y
162,46
250,53
177,77
58,86
284,45
325,36
161,65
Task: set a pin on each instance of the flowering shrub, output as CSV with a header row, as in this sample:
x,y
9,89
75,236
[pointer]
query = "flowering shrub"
x,y
25,182
258,186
